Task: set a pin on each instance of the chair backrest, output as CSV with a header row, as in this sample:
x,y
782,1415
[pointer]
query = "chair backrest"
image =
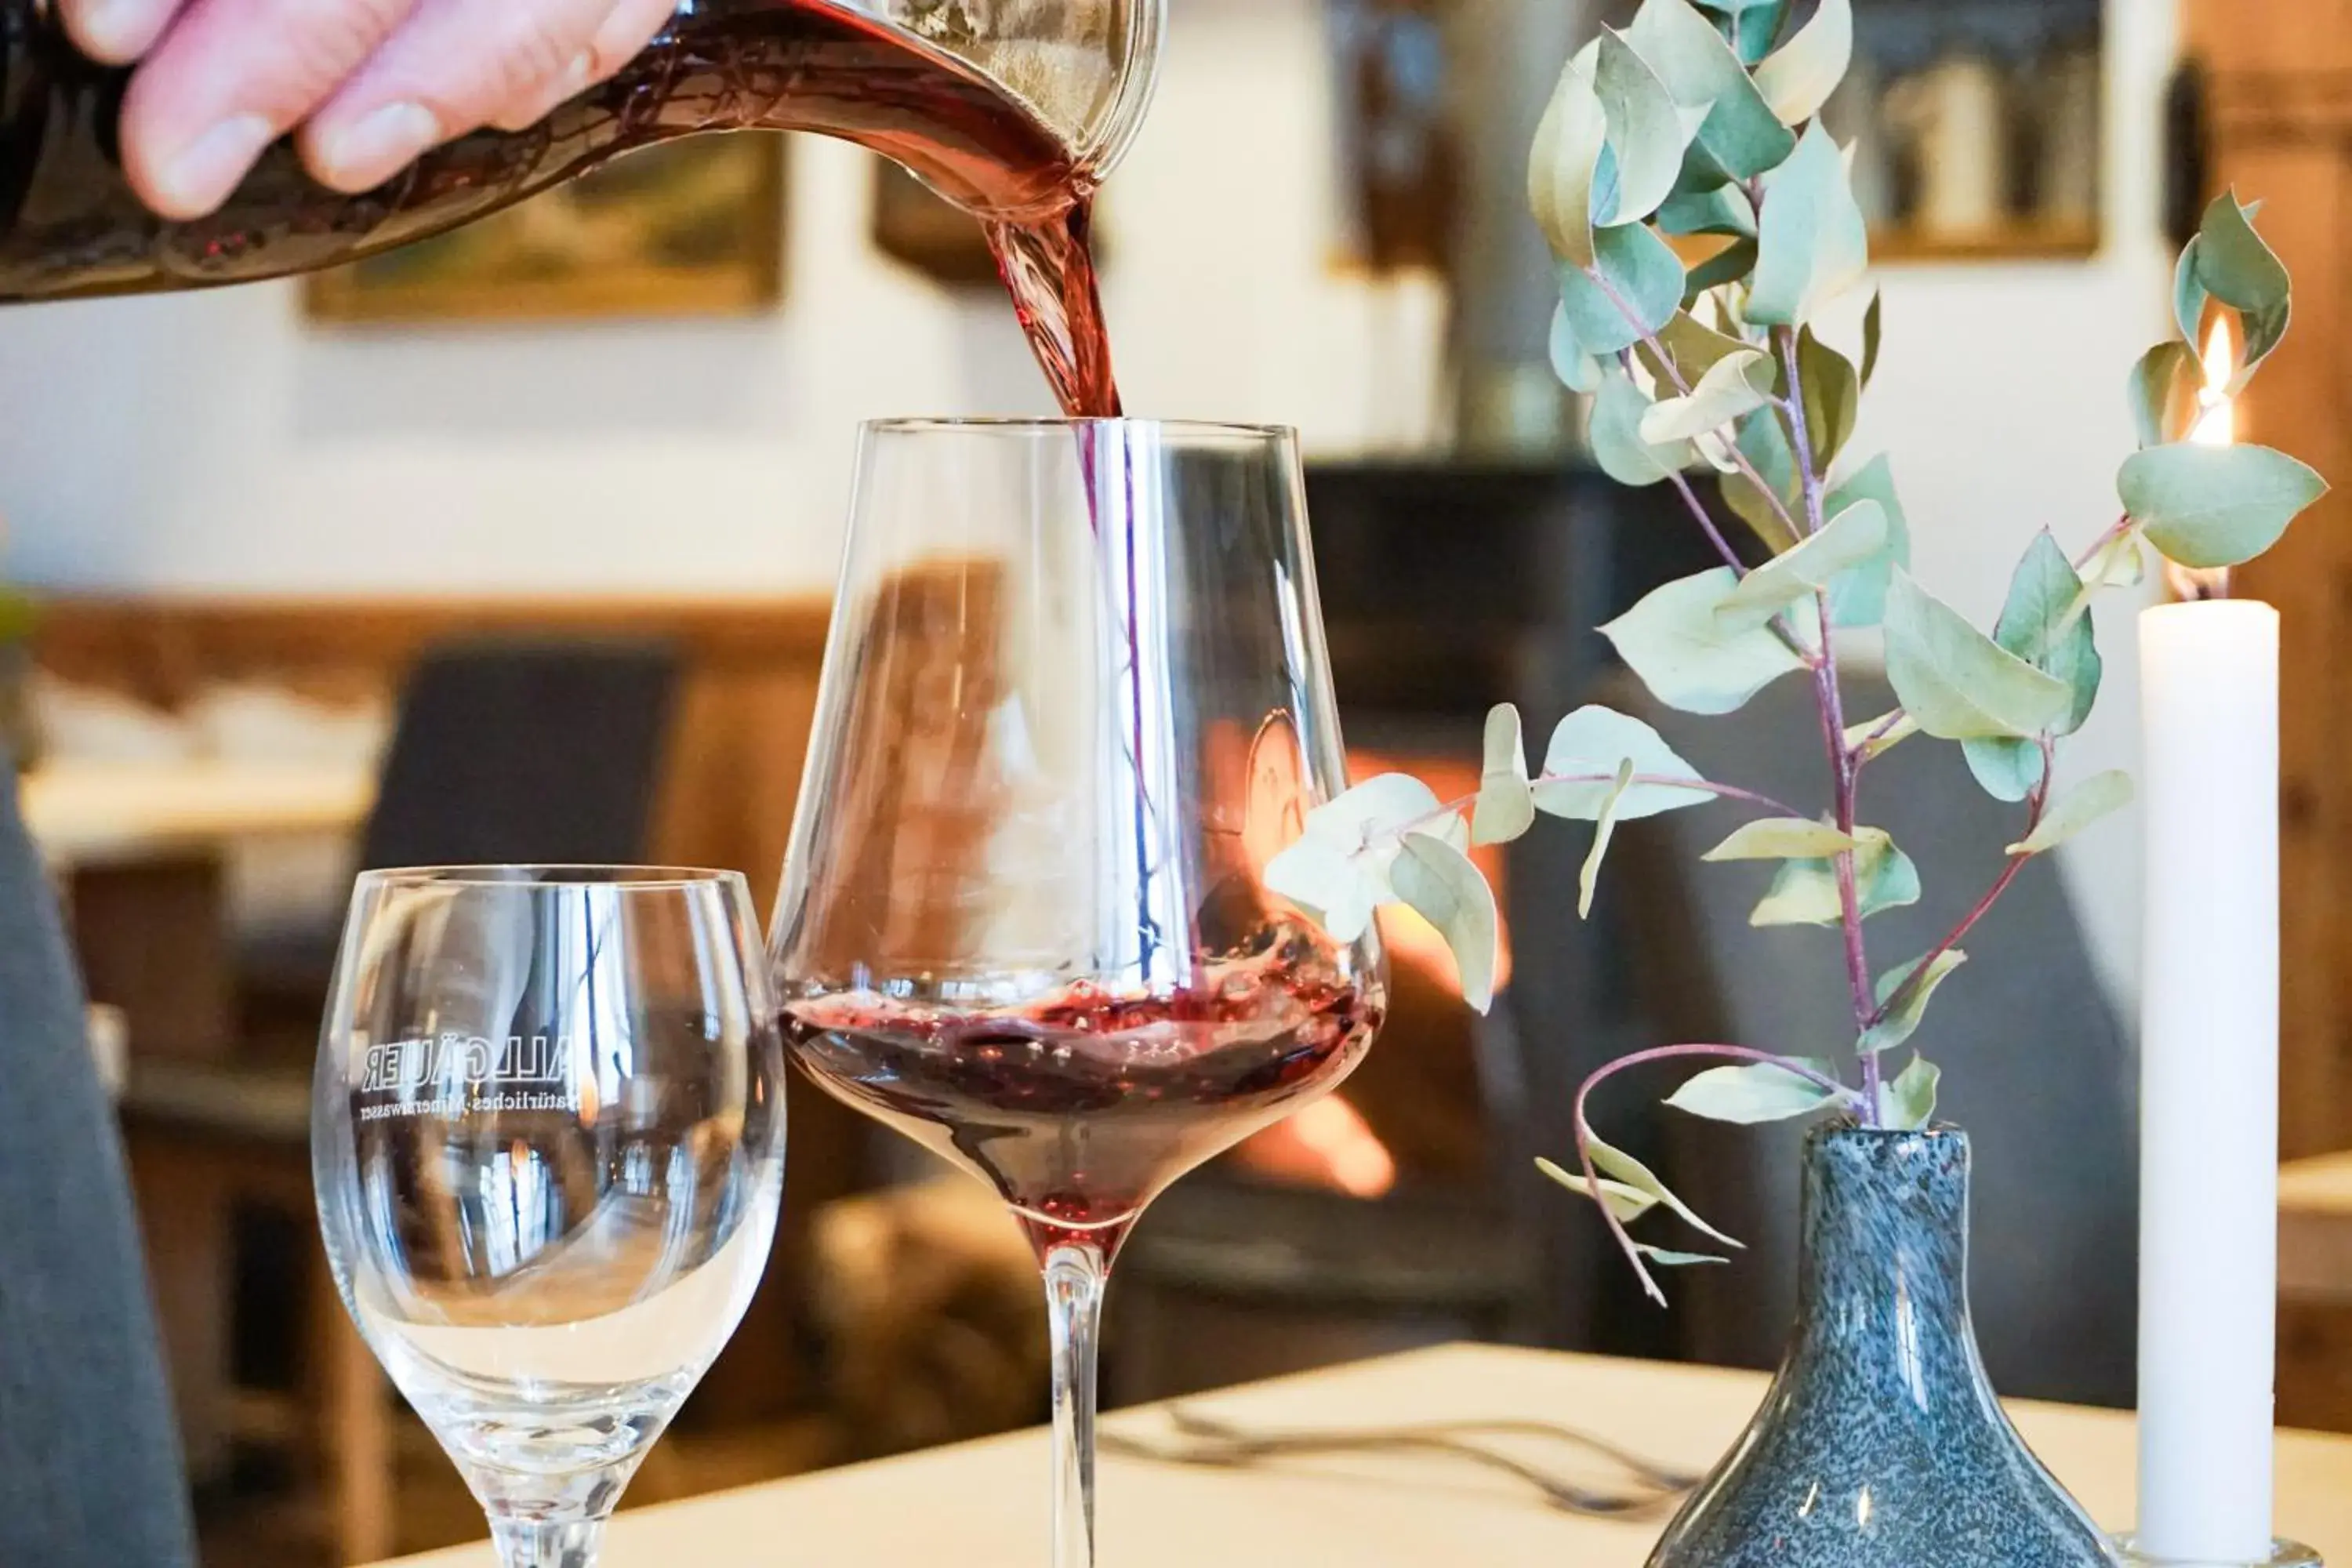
x,y
526,753
2037,1067
89,1465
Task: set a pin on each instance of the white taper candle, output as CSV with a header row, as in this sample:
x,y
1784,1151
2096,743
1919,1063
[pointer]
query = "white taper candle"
x,y
2209,1082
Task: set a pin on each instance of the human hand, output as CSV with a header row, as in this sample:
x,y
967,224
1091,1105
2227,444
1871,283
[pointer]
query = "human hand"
x,y
369,85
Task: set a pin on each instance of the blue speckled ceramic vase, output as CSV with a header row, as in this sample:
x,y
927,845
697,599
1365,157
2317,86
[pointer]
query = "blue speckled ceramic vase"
x,y
1881,1444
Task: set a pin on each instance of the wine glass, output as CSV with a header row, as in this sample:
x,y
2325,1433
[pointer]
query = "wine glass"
x,y
548,1137
1075,697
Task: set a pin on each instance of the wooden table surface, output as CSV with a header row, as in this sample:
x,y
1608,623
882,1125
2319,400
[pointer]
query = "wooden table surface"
x,y
982,1505
85,813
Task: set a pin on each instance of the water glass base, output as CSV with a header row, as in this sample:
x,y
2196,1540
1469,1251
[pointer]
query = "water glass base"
x,y
2283,1555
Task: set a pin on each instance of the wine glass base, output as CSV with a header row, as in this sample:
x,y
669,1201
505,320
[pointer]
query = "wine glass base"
x,y
2283,1555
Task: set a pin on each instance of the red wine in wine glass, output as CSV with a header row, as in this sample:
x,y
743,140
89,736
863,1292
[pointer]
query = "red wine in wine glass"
x,y
1079,1108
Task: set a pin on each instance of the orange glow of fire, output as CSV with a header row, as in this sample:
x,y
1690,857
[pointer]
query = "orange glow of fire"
x,y
2217,418
1329,1144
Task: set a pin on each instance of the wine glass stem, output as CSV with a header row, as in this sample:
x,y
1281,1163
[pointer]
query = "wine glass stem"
x,y
1075,1272
563,1543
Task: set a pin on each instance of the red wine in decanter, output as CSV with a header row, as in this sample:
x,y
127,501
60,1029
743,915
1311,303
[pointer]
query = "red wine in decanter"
x,y
71,228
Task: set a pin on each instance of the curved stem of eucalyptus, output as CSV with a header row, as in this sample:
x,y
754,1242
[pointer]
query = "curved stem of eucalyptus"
x,y
540,1543
1075,1275
1843,773
2120,526
1617,1230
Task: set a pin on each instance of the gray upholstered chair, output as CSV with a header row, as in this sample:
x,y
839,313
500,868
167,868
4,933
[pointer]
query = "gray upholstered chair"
x,y
89,1465
2036,1065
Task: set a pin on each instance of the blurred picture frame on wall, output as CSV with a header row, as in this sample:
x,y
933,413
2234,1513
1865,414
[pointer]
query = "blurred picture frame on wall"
x,y
694,227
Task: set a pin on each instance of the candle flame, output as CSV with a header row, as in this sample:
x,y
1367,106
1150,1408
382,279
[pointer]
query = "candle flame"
x,y
2217,417
2217,426
2195,585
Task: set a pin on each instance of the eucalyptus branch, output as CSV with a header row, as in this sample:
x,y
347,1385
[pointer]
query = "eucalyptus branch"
x,y
1771,493
1584,1135
1654,781
1879,731
1682,484
2115,530
1844,775
2037,802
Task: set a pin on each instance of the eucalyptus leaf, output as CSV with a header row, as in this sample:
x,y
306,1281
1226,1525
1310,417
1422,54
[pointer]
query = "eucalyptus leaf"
x,y
2006,768
2216,506
1731,387
1330,881
1875,737
1805,893
1958,683
1858,598
1337,867
2102,794
1729,265
1754,1092
1563,165
1723,210
1754,24
1666,1257
1740,136
1764,442
1507,802
1691,351
1616,1163
2046,621
1442,885
1907,1104
1800,76
1578,371
1645,131
1633,288
2117,563
2234,263
1905,1002
1628,1203
1673,640
1604,829
1832,398
1782,838
1872,328
1593,744
2164,386
1613,432
1813,245
1855,536
2188,293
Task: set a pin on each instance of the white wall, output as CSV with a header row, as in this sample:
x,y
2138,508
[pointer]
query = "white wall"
x,y
211,443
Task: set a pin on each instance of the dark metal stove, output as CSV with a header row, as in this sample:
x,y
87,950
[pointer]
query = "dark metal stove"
x,y
1409,1211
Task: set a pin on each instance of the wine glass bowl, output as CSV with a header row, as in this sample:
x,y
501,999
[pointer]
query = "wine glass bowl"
x,y
548,1140
1075,697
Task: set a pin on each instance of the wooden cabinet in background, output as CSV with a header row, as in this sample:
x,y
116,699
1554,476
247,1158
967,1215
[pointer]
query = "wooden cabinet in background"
x,y
2278,77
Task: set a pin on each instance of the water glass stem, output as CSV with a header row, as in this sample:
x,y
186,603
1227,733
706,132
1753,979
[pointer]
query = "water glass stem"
x,y
548,1543
1074,1273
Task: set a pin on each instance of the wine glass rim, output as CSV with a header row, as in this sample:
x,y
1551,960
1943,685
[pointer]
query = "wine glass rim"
x,y
918,425
521,874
